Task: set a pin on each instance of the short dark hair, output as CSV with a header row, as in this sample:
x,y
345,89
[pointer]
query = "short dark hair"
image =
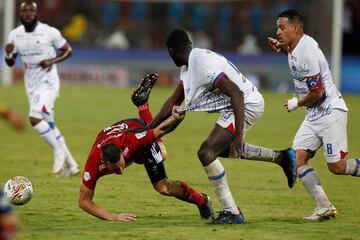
x,y
293,15
111,153
178,40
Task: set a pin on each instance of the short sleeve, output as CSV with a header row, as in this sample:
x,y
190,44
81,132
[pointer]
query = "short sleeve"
x,y
310,69
91,173
209,67
142,140
56,38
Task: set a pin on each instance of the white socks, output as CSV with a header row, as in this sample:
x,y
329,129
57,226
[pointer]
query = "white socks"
x,y
55,140
311,182
69,158
45,131
217,176
353,167
252,152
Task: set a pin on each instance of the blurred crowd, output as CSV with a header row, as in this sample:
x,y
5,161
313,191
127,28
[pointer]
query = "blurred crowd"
x,y
240,26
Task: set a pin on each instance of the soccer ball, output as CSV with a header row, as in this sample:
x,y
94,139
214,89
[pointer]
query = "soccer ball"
x,y
18,190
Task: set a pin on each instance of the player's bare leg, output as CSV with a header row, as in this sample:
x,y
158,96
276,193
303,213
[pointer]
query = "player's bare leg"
x,y
184,192
286,159
216,143
345,167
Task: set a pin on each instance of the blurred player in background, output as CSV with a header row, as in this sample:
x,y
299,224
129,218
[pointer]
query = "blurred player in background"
x,y
11,116
326,112
211,83
36,44
116,148
8,221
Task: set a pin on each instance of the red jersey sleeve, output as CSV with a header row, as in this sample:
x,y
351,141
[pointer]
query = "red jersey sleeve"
x,y
143,139
91,172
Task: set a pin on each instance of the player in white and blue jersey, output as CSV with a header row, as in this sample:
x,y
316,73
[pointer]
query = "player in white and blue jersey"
x,y
36,44
326,112
211,83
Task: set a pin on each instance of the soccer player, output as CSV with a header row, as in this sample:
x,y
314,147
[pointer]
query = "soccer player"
x,y
8,221
36,44
211,83
117,147
326,112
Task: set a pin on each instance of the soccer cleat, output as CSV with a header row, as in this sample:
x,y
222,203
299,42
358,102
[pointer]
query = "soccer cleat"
x,y
141,95
68,171
288,164
206,211
226,217
320,214
59,161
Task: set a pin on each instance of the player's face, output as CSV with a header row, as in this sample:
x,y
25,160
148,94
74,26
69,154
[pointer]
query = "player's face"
x,y
118,167
28,12
285,31
175,57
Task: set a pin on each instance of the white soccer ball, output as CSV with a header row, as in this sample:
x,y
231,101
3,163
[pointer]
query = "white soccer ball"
x,y
18,190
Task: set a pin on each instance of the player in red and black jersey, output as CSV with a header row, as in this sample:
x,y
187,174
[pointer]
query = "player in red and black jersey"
x,y
117,147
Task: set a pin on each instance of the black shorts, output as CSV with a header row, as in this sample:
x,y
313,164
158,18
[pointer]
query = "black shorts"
x,y
154,163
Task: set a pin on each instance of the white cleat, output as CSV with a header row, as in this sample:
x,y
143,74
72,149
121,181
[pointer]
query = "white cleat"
x,y
320,214
59,161
67,172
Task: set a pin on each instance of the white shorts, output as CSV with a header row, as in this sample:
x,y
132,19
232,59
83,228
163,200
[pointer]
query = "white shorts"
x,y
42,104
329,131
253,111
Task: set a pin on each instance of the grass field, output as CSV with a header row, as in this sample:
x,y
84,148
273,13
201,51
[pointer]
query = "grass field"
x,y
272,211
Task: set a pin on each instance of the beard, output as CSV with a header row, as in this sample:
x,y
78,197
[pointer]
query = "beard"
x,y
29,26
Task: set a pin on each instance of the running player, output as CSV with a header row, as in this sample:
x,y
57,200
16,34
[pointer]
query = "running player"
x,y
36,44
211,83
11,116
117,147
326,112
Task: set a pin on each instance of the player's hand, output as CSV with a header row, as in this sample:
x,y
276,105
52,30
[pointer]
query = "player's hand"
x,y
124,217
178,112
9,48
236,146
291,104
274,44
46,63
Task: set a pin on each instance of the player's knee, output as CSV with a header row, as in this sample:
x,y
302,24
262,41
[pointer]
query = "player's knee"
x,y
162,187
206,155
34,121
337,168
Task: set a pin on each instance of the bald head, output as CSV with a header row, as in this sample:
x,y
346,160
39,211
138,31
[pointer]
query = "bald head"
x,y
28,2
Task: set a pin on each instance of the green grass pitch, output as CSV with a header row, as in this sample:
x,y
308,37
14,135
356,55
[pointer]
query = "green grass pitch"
x,y
272,211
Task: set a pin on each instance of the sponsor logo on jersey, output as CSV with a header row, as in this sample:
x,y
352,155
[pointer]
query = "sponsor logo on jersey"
x,y
126,151
87,176
140,135
305,68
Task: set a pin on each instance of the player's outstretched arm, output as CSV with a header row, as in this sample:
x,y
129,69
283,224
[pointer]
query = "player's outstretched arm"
x,y
86,203
176,99
169,124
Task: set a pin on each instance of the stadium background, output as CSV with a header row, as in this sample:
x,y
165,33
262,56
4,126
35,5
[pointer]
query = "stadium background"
x,y
116,42
89,102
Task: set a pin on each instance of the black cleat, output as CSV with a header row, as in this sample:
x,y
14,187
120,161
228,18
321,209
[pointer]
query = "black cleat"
x,y
141,95
288,164
206,211
226,217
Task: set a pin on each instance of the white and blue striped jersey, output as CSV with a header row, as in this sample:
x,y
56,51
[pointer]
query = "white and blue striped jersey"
x,y
310,70
204,71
